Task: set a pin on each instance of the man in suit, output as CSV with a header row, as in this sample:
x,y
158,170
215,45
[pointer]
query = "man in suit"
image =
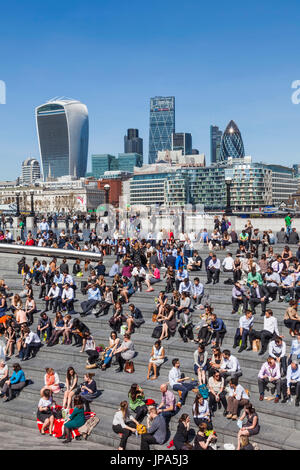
x,y
258,296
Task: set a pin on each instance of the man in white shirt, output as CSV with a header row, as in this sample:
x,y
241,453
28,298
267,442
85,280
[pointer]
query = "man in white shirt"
x,y
44,226
270,329
230,366
269,374
179,384
139,275
228,263
53,297
185,286
213,270
242,333
277,350
237,398
67,298
272,281
197,292
32,344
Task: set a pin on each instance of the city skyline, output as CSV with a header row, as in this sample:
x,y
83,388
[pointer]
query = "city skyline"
x,y
211,86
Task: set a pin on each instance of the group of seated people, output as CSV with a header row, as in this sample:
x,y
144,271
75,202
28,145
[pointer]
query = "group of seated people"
x,y
81,395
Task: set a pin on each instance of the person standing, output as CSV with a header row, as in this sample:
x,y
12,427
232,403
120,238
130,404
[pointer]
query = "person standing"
x,y
288,224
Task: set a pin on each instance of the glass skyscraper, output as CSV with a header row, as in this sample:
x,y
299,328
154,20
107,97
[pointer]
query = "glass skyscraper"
x,y
162,125
215,143
232,143
132,142
182,141
63,133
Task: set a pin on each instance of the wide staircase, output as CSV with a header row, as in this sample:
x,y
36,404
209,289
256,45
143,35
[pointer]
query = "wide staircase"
x,y
280,423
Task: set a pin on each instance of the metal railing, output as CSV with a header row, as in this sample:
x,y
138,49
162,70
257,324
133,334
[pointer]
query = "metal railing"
x,y
48,252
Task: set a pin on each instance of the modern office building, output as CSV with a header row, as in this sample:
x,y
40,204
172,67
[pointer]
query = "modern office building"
x,y
127,161
215,143
285,182
182,141
132,142
63,134
253,185
232,145
31,171
162,125
102,163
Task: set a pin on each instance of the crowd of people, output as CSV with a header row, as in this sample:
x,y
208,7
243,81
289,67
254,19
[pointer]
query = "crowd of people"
x,y
258,274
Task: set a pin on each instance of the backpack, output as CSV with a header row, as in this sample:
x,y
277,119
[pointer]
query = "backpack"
x,y
157,332
203,390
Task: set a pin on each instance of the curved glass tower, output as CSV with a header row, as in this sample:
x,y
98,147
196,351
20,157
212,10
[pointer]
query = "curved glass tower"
x,y
63,134
232,143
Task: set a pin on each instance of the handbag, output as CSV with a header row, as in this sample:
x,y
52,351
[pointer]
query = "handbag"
x,y
129,367
141,429
154,317
256,345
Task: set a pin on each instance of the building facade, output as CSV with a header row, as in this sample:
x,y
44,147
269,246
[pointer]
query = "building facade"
x,y
31,171
47,200
132,142
63,134
102,163
215,143
182,141
162,125
232,145
285,182
253,185
127,161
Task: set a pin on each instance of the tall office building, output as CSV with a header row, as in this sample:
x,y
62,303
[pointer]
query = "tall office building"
x,y
182,141
63,134
132,142
162,125
215,143
30,170
232,143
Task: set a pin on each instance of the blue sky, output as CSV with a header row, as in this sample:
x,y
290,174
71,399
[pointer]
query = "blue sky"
x,y
221,60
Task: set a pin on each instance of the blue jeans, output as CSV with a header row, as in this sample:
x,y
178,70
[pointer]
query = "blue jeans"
x,y
185,388
107,357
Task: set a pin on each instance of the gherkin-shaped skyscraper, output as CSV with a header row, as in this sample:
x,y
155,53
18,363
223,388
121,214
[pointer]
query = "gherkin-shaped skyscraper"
x,y
232,143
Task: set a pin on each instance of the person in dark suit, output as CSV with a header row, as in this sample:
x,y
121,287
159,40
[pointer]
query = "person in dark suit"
x,y
258,296
170,260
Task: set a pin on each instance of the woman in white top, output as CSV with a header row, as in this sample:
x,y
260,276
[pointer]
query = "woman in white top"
x,y
216,393
45,413
124,424
114,343
201,411
157,359
3,373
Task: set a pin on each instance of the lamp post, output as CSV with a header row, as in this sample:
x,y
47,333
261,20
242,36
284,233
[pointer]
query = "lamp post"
x,y
32,213
18,204
228,181
106,189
